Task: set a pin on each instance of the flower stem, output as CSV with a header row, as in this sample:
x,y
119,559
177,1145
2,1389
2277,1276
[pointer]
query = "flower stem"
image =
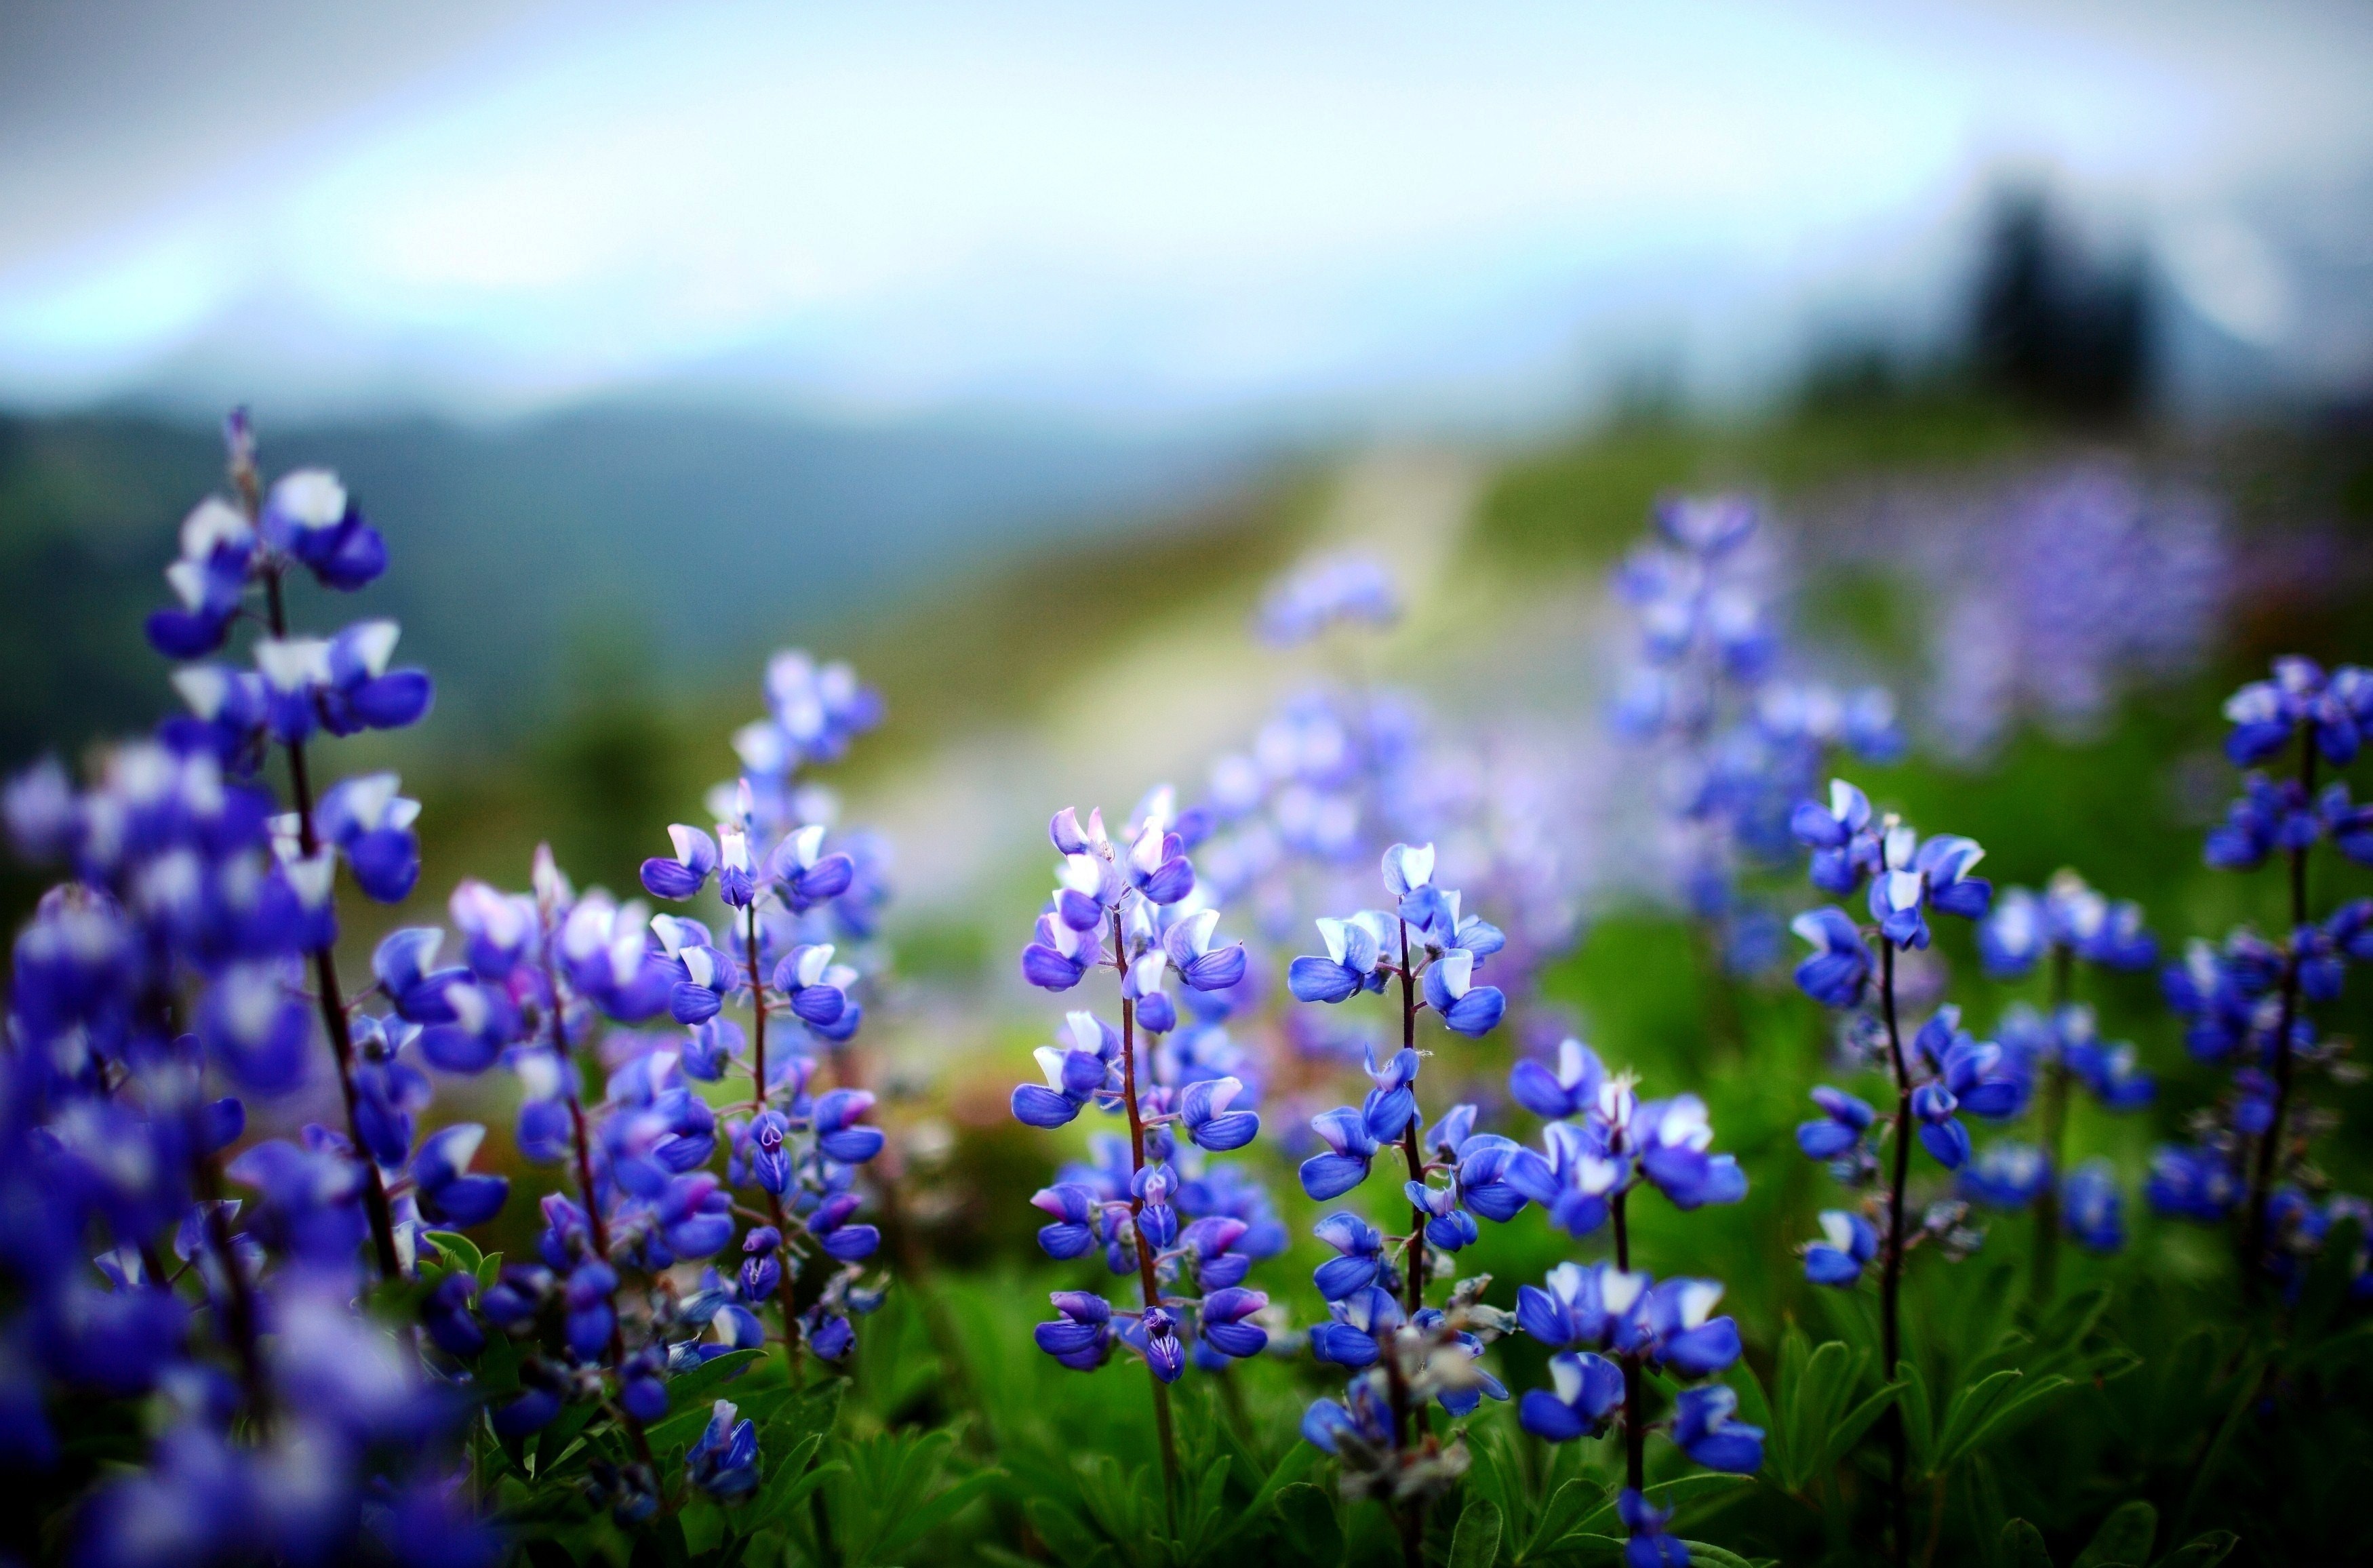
x,y
1635,1433
2262,1176
332,995
1150,1287
783,1284
1410,1152
2055,1124
1891,1277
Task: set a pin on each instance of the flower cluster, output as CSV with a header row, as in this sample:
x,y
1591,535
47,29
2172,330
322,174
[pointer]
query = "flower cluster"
x,y
2248,1001
1740,744
1189,1232
1606,1322
172,964
1349,588
1945,1072
2053,595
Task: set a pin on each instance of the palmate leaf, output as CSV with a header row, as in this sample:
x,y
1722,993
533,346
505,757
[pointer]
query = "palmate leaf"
x,y
1971,1406
1919,1420
1562,1517
2201,1551
2124,1538
1848,1428
1297,1462
1072,1542
460,1253
1476,1542
1311,1527
2022,1546
1713,1556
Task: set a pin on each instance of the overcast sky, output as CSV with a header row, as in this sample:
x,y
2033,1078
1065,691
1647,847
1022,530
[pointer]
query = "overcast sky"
x,y
1129,210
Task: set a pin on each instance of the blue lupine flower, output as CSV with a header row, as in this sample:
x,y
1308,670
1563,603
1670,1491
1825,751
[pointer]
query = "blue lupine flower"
x,y
2092,1207
1595,1305
1352,1148
1203,1111
448,1196
1850,1244
723,1461
1360,1322
1568,1092
2006,1176
2335,712
1361,1262
1355,953
2194,1183
1671,1138
1704,1430
1678,1333
1649,1545
1222,1321
1348,589
1840,1129
1585,1389
1447,1226
1839,970
1466,1008
1969,1068
694,861
1081,1338
1844,848
1940,1132
830,1223
1365,1418
2021,927
1077,1068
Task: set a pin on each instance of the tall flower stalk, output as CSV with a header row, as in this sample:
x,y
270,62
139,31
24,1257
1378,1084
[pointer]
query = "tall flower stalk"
x,y
1404,1354
2068,922
2252,1000
1134,908
232,552
1602,1143
1943,1071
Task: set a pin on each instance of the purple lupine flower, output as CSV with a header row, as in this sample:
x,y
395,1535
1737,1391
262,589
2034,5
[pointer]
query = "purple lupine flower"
x,y
1585,1391
2092,1207
2007,1175
1704,1430
1839,967
723,1461
1568,1092
1849,1244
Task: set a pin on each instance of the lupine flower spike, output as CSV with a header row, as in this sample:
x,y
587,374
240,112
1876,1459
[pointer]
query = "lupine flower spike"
x,y
1403,1352
1606,1322
1189,1231
2249,1000
1940,1074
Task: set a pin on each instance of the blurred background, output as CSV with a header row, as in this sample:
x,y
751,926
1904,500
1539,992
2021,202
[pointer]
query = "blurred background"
x,y
1011,354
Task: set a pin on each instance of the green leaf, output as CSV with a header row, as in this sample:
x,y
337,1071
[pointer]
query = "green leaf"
x,y
1848,1428
704,1526
2201,1551
2010,1413
1299,1457
2125,1537
1065,1536
1970,1408
1713,1556
1311,1528
1561,1515
2024,1544
689,1388
1919,1425
459,1252
917,1522
1665,1495
1476,1543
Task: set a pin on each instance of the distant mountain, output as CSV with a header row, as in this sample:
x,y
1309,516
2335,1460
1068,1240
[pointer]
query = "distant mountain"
x,y
693,539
